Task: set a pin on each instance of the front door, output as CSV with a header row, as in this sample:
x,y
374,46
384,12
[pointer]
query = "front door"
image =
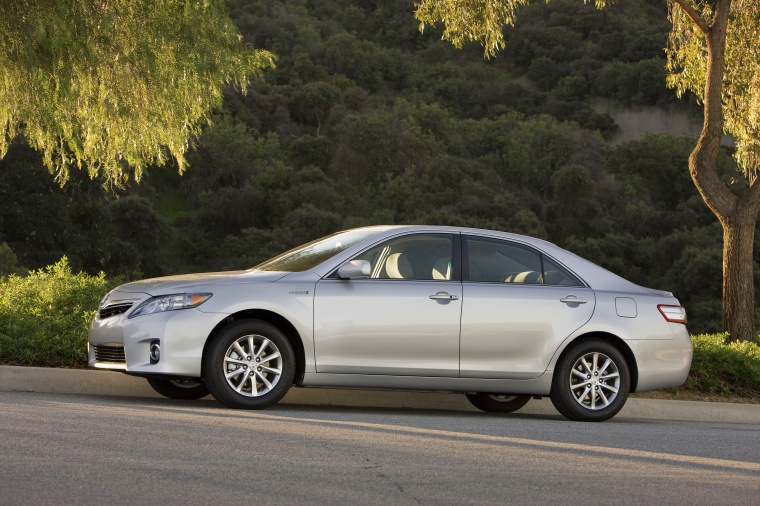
x,y
403,320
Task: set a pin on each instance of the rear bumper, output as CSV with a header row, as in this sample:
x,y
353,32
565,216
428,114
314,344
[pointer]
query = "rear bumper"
x,y
663,363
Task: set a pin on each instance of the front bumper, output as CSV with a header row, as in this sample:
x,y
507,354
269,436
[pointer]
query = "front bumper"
x,y
181,334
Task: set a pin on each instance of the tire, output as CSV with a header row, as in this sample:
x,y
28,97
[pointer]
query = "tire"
x,y
498,403
588,388
264,374
186,389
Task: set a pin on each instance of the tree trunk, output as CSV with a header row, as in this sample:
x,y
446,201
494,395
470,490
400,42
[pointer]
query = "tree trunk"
x,y
737,215
738,280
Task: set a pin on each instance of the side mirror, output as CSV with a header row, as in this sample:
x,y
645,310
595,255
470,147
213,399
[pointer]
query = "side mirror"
x,y
355,269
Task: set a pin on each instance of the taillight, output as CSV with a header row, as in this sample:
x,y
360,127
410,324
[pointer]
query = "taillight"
x,y
675,314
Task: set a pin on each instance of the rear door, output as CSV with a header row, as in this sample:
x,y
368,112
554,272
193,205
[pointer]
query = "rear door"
x,y
519,305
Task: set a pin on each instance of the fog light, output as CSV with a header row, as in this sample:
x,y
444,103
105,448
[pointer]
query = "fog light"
x,y
155,352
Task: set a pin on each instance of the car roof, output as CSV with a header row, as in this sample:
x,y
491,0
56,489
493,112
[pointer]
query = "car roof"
x,y
461,230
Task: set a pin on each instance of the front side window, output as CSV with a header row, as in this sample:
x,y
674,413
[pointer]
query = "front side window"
x,y
418,257
497,261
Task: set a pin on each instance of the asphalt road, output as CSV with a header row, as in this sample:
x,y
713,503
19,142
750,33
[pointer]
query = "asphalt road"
x,y
72,449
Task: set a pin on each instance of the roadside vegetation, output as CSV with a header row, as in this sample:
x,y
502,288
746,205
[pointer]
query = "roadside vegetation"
x,y
724,369
44,317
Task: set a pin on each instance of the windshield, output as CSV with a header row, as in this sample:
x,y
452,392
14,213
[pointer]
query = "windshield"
x,y
309,255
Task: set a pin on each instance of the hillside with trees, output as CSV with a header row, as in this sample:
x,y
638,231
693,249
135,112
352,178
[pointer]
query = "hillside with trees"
x,y
365,120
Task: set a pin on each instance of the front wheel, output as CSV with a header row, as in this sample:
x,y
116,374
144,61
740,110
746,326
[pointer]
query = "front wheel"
x,y
187,389
591,382
498,403
249,365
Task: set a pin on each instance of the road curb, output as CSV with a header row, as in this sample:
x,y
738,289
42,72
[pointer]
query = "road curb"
x,y
100,382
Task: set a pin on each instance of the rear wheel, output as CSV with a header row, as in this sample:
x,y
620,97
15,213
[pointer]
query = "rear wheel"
x,y
591,382
249,365
498,403
188,389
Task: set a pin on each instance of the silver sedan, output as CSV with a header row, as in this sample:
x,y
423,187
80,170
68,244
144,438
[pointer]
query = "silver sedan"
x,y
499,317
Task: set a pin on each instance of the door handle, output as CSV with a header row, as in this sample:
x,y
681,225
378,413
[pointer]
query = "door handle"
x,y
572,299
444,296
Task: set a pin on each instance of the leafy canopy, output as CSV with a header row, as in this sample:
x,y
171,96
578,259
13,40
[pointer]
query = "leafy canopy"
x,y
474,20
483,20
687,62
116,86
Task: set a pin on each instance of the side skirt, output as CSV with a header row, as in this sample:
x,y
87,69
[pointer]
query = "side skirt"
x,y
535,386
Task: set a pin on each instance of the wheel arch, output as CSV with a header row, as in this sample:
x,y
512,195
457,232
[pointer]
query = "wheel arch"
x,y
615,341
279,321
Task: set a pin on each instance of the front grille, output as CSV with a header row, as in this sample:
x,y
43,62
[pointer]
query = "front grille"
x,y
110,353
113,310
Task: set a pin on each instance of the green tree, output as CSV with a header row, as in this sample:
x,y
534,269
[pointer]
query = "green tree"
x,y
116,86
8,260
713,53
311,104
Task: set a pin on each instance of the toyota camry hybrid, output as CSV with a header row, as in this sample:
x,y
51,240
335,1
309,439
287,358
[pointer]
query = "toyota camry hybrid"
x,y
498,317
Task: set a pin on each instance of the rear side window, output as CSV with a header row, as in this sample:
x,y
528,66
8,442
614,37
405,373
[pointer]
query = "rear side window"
x,y
498,261
555,274
494,261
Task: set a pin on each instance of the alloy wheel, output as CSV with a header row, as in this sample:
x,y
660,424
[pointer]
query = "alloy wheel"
x,y
594,381
252,365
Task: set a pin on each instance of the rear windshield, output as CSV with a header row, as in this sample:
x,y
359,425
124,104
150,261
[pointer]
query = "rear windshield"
x,y
310,255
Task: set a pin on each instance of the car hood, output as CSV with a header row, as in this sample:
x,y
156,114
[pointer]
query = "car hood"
x,y
178,284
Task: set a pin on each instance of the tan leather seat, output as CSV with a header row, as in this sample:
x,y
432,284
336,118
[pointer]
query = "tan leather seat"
x,y
442,269
398,267
527,277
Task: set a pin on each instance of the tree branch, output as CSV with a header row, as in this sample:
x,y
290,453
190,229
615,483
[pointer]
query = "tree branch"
x,y
693,15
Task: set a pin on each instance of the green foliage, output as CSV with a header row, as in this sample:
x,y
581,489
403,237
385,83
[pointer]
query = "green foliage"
x,y
44,316
115,86
308,150
313,102
659,161
477,21
8,260
687,61
473,20
546,73
373,147
724,368
140,230
634,83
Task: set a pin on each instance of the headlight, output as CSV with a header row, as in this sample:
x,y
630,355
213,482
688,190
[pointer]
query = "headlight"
x,y
170,303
